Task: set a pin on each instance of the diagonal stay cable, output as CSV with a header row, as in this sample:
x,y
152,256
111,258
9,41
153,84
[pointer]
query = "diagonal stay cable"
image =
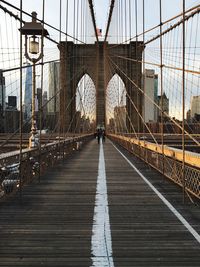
x,y
158,65
129,119
167,115
157,26
93,18
112,4
45,23
26,123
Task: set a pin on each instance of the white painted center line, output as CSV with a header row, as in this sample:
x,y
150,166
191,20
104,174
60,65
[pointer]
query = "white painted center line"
x,y
101,243
164,200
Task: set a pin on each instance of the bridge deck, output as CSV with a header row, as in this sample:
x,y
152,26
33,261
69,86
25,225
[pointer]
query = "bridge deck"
x,y
53,225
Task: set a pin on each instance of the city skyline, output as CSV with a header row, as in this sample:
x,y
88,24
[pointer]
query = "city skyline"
x,y
51,52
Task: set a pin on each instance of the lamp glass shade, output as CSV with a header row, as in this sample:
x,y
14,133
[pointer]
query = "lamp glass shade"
x,y
33,45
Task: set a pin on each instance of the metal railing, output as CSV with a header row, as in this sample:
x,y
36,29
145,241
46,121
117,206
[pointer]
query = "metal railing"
x,y
168,165
15,173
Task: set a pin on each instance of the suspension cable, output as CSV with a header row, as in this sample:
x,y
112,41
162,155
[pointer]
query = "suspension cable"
x,y
195,10
93,18
112,4
45,23
173,120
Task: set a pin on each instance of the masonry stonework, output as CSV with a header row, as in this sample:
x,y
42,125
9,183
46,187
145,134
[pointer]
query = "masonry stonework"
x,y
101,61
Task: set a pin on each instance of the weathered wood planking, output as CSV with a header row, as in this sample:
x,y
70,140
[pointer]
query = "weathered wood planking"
x,y
144,231
53,224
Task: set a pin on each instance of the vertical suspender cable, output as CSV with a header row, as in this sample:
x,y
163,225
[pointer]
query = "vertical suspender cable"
x,y
125,38
76,87
41,104
67,8
75,119
93,19
183,105
60,20
130,19
82,33
118,41
21,113
122,40
161,88
82,24
136,54
125,20
143,67
120,20
82,62
73,66
86,22
112,4
62,89
58,96
126,51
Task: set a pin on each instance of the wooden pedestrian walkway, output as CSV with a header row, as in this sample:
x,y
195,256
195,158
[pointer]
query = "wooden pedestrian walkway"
x,y
96,210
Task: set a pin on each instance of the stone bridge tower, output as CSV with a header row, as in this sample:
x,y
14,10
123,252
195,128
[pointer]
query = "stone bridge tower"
x,y
101,61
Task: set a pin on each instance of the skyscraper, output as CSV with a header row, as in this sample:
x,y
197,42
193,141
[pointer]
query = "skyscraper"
x,y
2,100
120,118
2,92
163,103
156,96
54,87
195,106
44,103
151,95
28,93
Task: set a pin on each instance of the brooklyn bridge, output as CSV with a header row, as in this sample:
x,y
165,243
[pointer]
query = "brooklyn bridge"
x,y
99,133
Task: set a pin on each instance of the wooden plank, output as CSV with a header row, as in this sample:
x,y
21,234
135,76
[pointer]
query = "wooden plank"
x,y
144,231
52,226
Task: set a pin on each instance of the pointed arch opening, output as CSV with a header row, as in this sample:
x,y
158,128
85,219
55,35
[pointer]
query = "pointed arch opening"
x,y
85,105
116,105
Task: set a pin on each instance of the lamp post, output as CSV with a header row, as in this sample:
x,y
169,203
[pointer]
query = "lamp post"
x,y
34,33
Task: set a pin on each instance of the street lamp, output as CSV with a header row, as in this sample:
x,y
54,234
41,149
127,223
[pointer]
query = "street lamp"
x,y
34,33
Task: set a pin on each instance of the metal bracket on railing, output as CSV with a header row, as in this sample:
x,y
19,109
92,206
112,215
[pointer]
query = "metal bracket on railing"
x,y
10,178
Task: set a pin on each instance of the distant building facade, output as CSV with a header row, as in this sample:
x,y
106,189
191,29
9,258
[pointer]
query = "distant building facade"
x,y
151,96
120,119
156,96
2,91
54,87
28,93
44,103
111,125
195,106
12,120
12,102
163,103
78,121
2,101
188,115
39,99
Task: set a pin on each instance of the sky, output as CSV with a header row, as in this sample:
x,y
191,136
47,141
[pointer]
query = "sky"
x,y
170,8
